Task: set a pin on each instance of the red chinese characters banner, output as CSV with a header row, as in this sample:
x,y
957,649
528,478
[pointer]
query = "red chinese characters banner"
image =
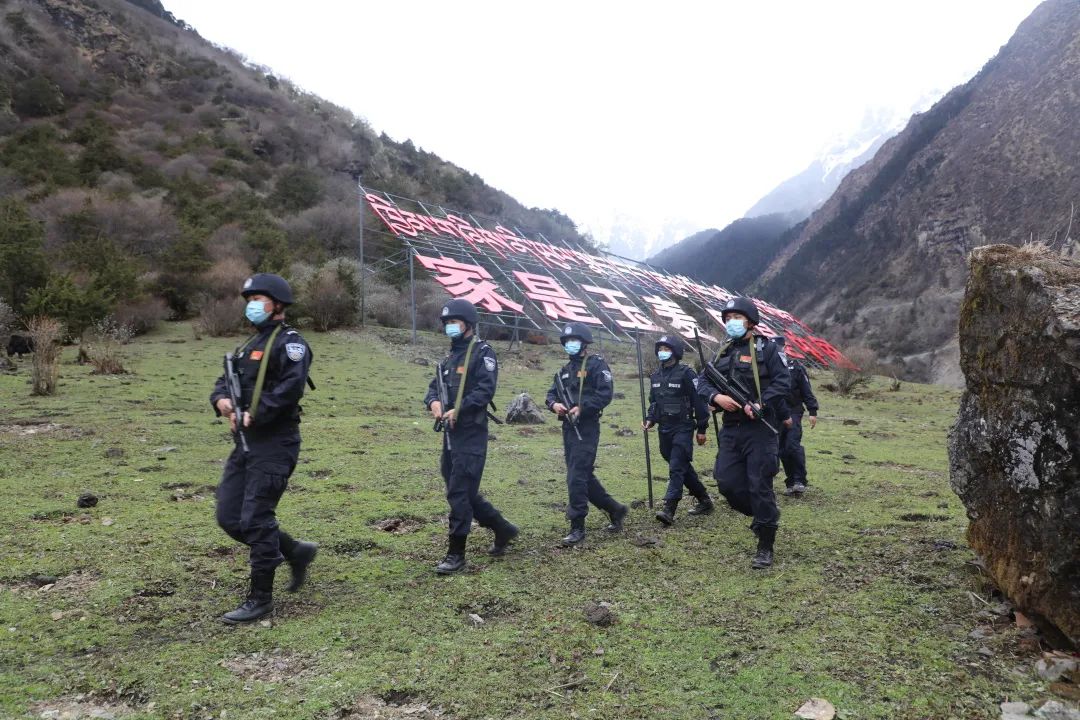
x,y
523,281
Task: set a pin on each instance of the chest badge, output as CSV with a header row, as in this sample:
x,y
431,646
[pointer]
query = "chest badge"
x,y
744,358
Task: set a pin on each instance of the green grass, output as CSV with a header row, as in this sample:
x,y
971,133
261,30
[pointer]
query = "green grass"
x,y
862,607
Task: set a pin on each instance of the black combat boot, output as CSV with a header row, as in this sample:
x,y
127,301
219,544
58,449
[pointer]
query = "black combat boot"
x,y
704,506
666,514
577,533
301,557
505,531
764,556
455,556
260,600
617,516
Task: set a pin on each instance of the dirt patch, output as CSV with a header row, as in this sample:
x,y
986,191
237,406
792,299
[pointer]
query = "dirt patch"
x,y
399,525
352,548
400,706
81,706
923,517
77,584
184,491
29,427
273,666
490,607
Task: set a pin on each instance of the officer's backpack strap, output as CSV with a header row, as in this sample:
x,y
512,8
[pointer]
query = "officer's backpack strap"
x,y
464,373
257,393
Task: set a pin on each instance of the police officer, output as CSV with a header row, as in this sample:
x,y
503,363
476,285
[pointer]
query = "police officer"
x,y
272,366
746,460
470,373
587,379
801,397
676,407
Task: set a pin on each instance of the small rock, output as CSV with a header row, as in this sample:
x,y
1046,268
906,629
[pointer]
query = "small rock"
x,y
1052,667
423,362
847,457
476,620
637,504
816,709
980,633
166,449
986,652
647,541
265,623
87,500
107,521
40,580
114,452
1016,708
57,615
625,432
523,410
850,421
1053,710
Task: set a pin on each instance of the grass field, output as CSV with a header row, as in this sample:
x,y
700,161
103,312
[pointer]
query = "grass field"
x,y
116,607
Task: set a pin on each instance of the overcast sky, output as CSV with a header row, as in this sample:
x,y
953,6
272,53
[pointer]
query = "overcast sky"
x,y
650,111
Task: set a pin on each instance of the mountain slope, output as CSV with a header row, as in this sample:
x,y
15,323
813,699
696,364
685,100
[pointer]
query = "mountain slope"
x,y
733,257
883,262
151,157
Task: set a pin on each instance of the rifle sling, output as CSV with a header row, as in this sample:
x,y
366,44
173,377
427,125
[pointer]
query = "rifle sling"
x,y
257,393
464,374
757,376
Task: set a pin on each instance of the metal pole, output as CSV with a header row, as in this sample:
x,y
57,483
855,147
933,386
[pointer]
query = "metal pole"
x,y
412,297
644,432
363,273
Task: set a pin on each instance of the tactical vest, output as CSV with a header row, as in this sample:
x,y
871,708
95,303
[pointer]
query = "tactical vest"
x,y
671,396
735,361
247,359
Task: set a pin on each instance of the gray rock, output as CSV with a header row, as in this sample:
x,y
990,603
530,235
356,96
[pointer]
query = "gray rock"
x,y
1053,710
523,411
1015,708
1014,452
1052,668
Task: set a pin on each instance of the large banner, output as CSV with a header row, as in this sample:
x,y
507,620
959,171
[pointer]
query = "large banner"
x,y
533,282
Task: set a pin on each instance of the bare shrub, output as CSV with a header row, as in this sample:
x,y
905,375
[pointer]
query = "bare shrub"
x,y
332,227
103,344
327,300
45,372
7,323
849,379
226,243
142,316
390,306
225,277
219,317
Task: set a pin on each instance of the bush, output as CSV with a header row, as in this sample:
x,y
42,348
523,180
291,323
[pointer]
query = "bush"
x,y
219,317
143,315
46,333
330,298
7,322
74,308
226,277
849,379
103,345
36,97
23,265
297,189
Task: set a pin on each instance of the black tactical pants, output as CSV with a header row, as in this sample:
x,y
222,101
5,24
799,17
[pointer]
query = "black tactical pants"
x,y
461,472
582,485
792,454
746,464
248,494
678,449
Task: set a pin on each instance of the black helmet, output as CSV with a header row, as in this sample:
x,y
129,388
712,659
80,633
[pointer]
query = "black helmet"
x,y
577,330
742,305
270,285
459,309
678,347
781,341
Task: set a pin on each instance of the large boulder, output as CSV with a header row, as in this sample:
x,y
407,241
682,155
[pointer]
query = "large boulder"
x,y
524,411
1014,452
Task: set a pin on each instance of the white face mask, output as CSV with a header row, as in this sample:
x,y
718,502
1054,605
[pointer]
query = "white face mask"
x,y
664,355
572,347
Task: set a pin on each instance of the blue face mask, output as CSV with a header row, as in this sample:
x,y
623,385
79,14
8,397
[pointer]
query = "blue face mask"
x,y
735,328
572,347
664,355
256,312
452,330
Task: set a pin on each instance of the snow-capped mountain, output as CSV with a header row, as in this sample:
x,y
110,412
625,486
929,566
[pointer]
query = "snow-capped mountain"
x,y
800,195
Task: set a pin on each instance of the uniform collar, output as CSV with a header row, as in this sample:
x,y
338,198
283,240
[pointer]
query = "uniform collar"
x,y
269,324
459,343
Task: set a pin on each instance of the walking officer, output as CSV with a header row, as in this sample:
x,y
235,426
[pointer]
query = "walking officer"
x,y
800,398
271,370
581,390
746,460
676,407
467,378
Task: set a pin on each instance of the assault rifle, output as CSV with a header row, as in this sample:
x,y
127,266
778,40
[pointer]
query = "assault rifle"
x,y
732,388
444,402
564,398
232,382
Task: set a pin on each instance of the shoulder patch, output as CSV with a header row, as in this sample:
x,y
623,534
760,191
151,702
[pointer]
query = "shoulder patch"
x,y
607,376
295,351
291,332
489,363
